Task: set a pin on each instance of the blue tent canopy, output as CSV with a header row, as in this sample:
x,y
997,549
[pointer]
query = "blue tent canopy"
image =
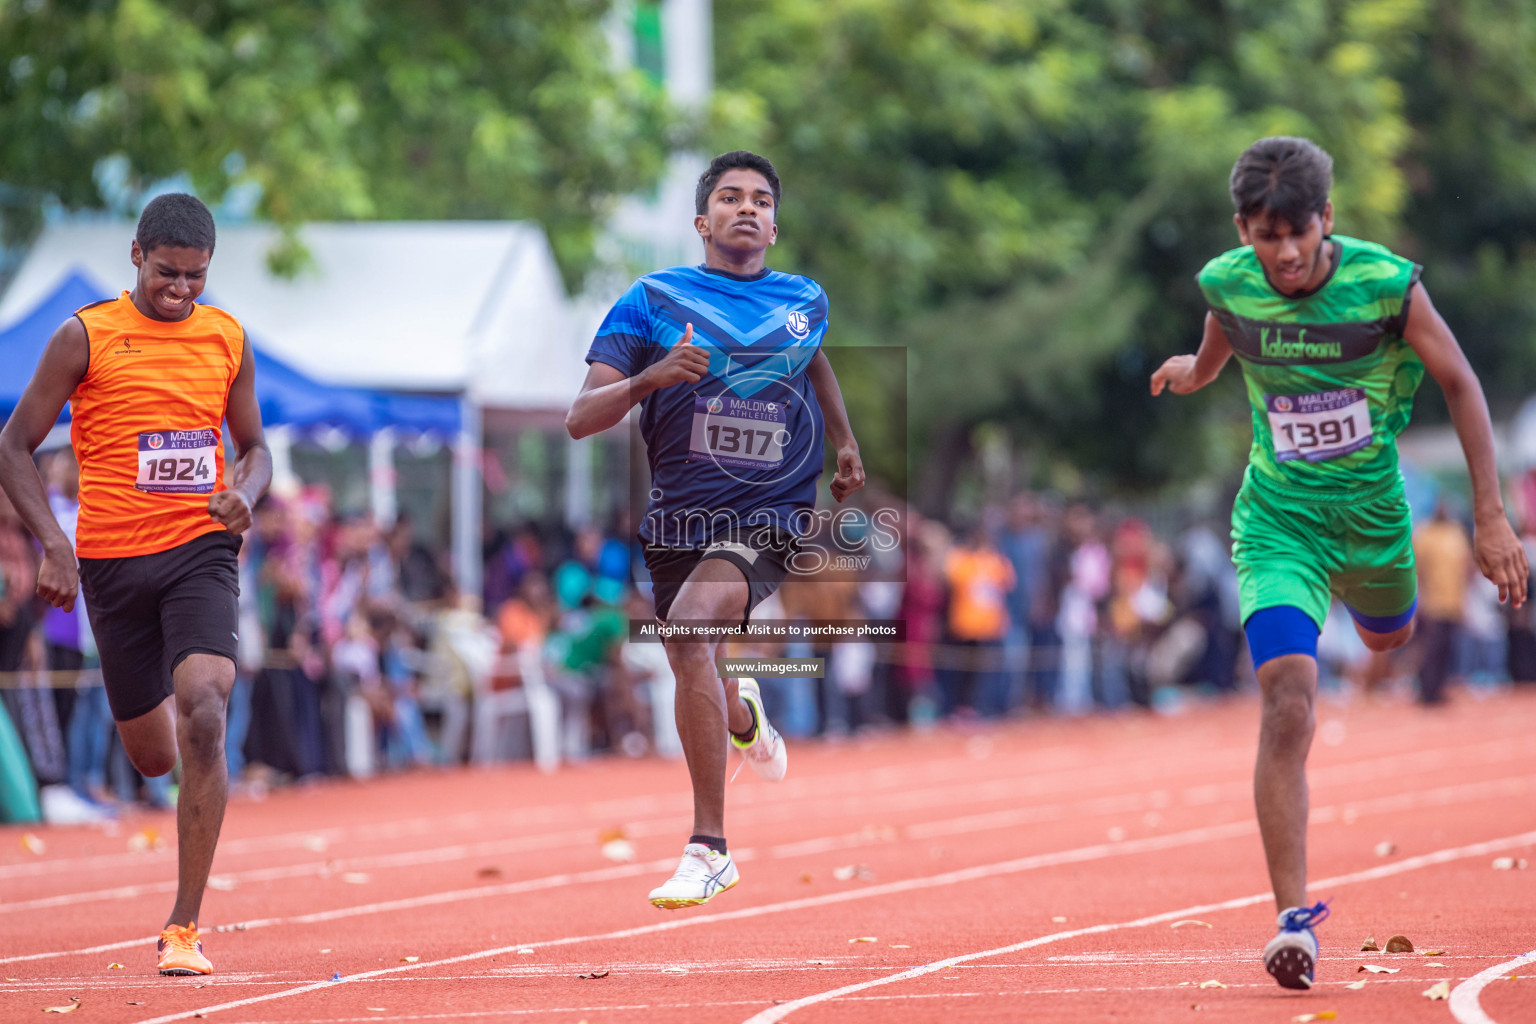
x,y
287,397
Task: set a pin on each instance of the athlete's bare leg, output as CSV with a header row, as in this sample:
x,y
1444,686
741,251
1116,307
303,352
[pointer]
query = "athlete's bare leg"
x,y
150,739
203,682
1289,686
191,721
1380,643
706,707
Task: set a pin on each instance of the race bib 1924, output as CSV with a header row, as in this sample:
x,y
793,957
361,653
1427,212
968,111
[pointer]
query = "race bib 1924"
x,y
1320,426
178,461
743,433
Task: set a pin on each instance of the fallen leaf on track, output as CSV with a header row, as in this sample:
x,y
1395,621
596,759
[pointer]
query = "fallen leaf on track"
x,y
851,871
409,959
73,1005
1439,990
1509,864
821,962
1434,952
807,878
897,945
1386,848
1320,1015
114,967
620,851
1399,944
488,872
674,970
1434,964
594,974
133,1002
1378,970
1356,985
865,938
1188,922
1058,920
1213,983
145,839
34,845
1369,945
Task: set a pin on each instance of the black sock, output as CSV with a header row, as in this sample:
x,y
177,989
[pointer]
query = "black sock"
x,y
752,732
716,843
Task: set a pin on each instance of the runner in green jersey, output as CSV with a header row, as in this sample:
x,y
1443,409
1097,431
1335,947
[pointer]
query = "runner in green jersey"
x,y
1334,336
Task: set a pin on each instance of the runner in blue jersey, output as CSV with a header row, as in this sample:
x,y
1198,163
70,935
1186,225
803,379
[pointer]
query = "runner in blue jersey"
x,y
736,400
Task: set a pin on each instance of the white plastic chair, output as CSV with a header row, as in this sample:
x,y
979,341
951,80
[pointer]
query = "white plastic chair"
x,y
534,699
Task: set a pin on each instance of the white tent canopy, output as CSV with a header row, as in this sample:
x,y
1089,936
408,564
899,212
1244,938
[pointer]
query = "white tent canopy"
x,y
475,308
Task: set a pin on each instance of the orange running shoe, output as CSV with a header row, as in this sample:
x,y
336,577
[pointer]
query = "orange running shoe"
x,y
181,951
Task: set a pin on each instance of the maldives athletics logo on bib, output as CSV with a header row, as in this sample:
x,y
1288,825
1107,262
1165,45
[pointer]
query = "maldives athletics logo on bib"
x,y
156,442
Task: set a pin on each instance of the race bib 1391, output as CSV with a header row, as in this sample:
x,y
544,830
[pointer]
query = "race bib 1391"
x,y
1319,426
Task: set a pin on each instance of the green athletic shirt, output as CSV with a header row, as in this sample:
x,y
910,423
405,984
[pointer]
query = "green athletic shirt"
x,y
1330,378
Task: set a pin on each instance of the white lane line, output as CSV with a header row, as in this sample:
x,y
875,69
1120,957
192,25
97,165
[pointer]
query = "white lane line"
x,y
1466,1005
695,1006
563,880
1122,803
1032,780
948,878
779,1012
1494,788
1098,851
319,839
898,785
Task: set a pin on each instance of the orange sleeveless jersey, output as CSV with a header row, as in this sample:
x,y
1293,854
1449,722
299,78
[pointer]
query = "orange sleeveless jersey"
x,y
148,426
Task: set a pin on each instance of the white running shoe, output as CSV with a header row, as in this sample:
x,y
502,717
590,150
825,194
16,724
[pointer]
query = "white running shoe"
x,y
699,876
765,751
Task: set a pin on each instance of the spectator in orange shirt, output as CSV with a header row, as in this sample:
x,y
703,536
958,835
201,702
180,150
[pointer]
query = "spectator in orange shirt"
x,y
1444,557
972,675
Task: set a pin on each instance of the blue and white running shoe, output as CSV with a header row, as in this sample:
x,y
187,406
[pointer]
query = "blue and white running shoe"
x,y
1291,956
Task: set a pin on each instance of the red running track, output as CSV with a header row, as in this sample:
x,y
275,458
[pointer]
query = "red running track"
x,y
1034,871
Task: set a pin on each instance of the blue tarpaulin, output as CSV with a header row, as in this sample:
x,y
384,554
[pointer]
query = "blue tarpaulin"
x,y
287,396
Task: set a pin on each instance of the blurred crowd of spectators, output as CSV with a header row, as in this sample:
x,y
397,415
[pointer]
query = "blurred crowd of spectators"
x,y
359,655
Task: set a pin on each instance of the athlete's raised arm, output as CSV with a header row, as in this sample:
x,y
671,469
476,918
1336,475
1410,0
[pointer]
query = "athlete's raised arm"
x,y
1186,374
59,372
607,394
253,468
1499,553
850,466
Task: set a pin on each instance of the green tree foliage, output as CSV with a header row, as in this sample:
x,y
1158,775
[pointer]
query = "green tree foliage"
x,y
1471,164
345,109
1022,190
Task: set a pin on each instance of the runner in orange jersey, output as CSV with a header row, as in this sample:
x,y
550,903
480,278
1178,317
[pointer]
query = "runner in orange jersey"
x,y
151,377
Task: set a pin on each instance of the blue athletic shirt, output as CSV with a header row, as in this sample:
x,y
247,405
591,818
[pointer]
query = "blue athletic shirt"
x,y
741,448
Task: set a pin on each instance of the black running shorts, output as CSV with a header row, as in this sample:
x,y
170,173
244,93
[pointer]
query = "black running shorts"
x,y
149,612
763,558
